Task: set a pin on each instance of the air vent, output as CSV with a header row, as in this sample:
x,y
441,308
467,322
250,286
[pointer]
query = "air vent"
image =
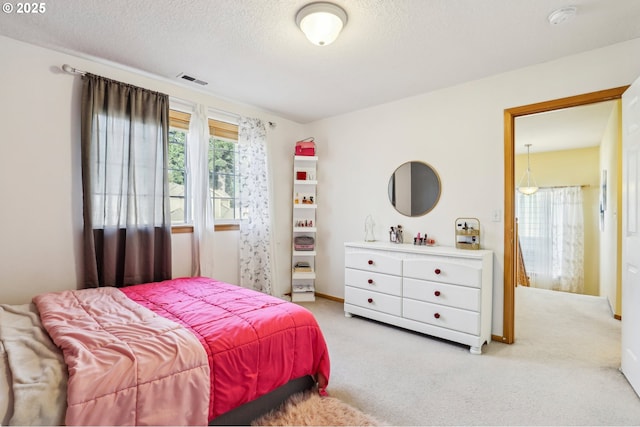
x,y
192,79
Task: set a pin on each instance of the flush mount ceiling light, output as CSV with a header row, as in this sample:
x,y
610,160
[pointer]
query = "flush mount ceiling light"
x,y
562,15
321,22
530,188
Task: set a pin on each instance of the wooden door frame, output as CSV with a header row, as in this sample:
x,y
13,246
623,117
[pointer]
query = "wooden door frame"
x,y
508,330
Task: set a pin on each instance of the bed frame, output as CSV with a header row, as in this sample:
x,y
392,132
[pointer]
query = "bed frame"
x,y
244,415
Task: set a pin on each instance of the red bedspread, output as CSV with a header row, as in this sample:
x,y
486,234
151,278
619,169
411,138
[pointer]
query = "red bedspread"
x,y
255,342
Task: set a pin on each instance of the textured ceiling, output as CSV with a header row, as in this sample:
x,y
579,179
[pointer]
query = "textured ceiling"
x,y
252,52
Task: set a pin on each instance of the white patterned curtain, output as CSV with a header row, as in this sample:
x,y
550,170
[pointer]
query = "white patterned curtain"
x,y
551,231
255,224
201,198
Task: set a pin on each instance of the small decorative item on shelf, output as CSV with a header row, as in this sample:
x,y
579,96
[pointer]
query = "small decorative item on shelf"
x,y
395,234
301,175
423,240
467,233
302,267
307,200
304,243
303,287
306,147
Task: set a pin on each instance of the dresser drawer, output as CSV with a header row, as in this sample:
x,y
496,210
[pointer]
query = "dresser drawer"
x,y
467,273
441,293
377,282
374,261
373,300
439,315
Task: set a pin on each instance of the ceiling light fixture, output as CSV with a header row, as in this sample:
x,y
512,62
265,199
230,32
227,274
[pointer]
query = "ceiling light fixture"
x,y
528,189
321,22
562,15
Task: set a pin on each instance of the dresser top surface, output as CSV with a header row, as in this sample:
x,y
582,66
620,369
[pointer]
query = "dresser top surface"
x,y
427,250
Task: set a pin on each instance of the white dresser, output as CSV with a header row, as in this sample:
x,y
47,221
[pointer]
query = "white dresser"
x,y
440,291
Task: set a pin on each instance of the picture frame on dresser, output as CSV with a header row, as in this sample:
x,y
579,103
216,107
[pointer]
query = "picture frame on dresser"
x,y
439,291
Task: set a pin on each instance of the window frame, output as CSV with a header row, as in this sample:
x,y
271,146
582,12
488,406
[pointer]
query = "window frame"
x,y
221,128
179,120
225,130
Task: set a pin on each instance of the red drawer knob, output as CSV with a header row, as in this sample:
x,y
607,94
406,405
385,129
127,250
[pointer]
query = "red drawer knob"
x,y
437,315
370,300
437,293
370,262
437,271
370,281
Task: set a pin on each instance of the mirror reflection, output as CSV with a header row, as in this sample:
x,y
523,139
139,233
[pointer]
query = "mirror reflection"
x,y
414,188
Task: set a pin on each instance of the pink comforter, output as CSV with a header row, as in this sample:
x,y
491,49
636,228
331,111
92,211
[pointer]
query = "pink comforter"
x,y
254,342
127,365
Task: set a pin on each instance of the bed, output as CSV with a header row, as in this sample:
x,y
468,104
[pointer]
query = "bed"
x,y
189,351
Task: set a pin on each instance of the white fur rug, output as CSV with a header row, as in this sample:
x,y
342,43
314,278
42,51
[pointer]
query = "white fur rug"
x,y
311,409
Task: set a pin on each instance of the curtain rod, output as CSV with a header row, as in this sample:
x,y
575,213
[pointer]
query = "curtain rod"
x,y
69,69
236,115
221,111
565,186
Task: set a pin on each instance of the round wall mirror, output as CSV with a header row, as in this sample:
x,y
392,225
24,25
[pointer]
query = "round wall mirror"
x,y
414,188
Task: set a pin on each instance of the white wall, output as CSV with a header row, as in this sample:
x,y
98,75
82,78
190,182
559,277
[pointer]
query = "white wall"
x,y
460,132
41,188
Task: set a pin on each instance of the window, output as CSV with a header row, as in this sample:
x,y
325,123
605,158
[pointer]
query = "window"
x,y
551,233
178,128
223,170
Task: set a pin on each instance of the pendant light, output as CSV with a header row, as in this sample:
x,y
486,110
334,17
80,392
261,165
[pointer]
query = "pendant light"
x,y
321,22
531,186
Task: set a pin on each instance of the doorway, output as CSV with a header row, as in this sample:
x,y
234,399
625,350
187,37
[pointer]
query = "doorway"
x,y
510,115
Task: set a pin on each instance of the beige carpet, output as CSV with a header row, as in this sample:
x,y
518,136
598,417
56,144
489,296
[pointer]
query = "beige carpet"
x,y
562,370
310,409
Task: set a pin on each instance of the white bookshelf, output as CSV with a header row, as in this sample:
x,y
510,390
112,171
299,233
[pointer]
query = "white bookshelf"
x,y
305,203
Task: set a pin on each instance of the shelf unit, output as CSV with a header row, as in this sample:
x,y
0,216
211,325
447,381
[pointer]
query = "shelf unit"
x,y
303,262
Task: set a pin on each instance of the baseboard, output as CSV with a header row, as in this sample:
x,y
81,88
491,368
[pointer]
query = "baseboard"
x,y
330,297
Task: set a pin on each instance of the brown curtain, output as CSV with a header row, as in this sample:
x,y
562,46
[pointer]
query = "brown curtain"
x,y
127,223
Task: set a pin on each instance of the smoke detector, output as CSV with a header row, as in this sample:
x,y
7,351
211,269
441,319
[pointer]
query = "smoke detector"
x,y
562,15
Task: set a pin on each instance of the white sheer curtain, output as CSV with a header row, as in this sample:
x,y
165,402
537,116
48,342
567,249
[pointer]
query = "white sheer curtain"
x,y
551,230
255,225
198,184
